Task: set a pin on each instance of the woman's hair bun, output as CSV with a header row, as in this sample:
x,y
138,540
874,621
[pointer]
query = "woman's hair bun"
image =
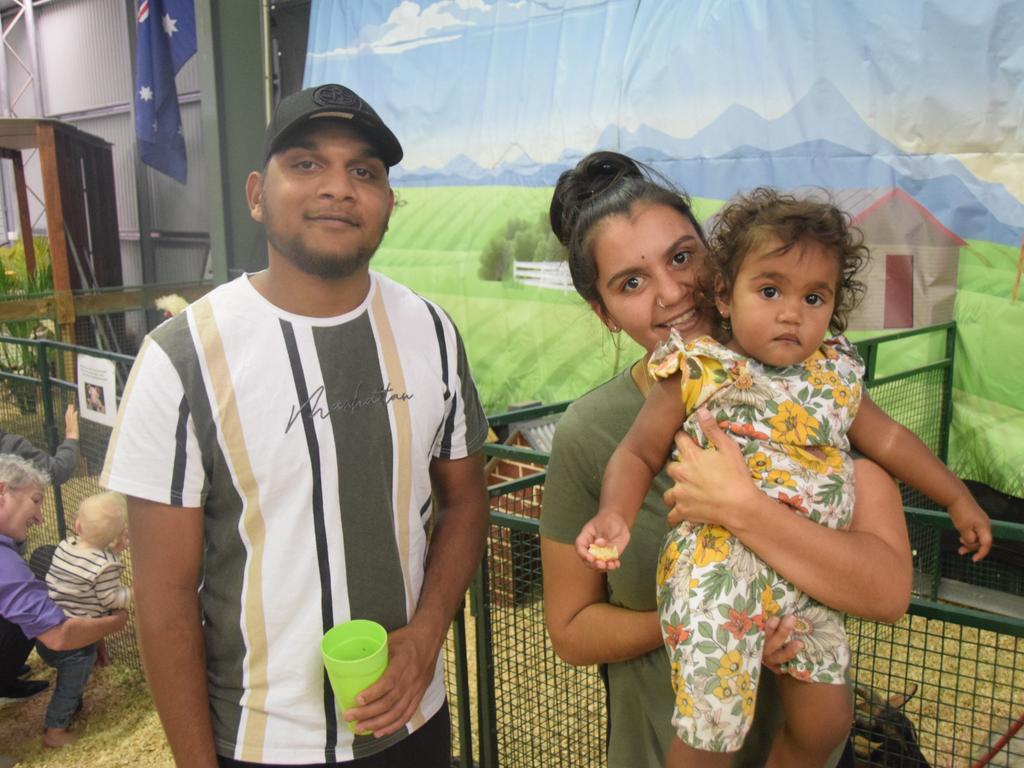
x,y
596,173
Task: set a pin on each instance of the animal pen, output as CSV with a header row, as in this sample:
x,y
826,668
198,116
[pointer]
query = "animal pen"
x,y
944,686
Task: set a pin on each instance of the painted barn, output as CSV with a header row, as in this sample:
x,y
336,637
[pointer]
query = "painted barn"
x,y
911,278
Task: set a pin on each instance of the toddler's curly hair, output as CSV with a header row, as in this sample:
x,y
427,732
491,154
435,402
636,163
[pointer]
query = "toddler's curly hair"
x,y
764,214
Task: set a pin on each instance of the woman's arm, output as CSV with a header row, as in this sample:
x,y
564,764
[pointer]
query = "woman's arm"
x,y
584,627
902,453
865,570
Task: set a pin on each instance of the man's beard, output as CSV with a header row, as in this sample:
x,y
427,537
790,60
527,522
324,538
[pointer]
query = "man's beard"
x,y
319,264
328,265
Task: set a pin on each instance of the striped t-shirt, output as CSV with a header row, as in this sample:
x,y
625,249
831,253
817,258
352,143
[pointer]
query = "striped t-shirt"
x,y
308,443
86,581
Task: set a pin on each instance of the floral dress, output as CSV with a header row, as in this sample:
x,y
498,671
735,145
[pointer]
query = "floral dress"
x,y
714,595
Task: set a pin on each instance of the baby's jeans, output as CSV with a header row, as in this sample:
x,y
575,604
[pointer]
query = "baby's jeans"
x,y
73,668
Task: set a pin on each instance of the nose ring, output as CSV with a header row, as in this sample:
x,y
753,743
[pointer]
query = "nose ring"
x,y
658,300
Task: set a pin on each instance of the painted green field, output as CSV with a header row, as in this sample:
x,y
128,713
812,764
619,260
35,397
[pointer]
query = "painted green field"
x,y
523,343
535,344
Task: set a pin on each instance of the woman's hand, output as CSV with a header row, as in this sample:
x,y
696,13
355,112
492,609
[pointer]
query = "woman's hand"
x,y
778,646
711,486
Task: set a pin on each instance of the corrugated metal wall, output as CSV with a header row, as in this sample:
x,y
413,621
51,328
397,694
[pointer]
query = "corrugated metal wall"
x,y
85,79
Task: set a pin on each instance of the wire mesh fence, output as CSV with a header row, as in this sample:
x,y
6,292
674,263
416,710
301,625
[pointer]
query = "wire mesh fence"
x,y
937,691
33,401
942,687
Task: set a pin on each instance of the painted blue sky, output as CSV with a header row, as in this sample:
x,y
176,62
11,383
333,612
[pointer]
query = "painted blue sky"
x,y
494,80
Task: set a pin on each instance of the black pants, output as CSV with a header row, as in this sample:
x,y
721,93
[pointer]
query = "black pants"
x,y
14,649
428,747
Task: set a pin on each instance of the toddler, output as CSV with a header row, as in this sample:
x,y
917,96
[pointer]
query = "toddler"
x,y
782,275
84,580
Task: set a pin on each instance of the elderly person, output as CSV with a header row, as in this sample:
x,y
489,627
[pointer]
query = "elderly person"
x,y
26,611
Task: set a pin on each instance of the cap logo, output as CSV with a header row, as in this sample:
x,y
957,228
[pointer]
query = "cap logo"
x,y
335,96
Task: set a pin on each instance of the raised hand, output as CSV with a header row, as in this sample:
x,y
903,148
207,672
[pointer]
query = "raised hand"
x,y
974,527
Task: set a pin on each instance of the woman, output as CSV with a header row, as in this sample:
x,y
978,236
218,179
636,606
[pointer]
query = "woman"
x,y
634,251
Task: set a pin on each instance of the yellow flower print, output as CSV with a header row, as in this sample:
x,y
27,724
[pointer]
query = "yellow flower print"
x,y
684,704
842,396
667,561
817,380
832,379
814,360
704,375
712,545
781,477
748,694
730,664
769,607
759,463
726,689
792,424
820,459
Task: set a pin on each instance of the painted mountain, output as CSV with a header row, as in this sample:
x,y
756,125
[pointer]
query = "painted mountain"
x,y
740,149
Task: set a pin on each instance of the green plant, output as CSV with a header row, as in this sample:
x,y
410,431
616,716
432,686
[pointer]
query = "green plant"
x,y
16,281
15,277
520,240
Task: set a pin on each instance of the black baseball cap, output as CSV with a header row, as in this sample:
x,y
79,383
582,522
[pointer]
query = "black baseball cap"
x,y
336,102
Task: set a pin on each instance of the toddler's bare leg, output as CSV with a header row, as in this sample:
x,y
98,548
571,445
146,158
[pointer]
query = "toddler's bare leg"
x,y
818,718
682,755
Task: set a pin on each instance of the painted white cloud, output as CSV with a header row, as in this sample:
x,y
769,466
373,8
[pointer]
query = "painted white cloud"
x,y
412,25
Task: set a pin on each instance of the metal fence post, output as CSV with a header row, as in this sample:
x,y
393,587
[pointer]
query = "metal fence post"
x,y
947,396
462,689
50,426
486,706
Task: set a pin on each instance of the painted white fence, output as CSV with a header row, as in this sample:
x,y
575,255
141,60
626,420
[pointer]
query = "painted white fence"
x,y
543,274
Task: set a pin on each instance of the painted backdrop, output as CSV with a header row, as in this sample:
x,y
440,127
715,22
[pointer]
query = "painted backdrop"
x,y
911,113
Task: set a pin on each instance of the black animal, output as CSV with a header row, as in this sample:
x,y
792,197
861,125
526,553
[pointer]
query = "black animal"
x,y
889,735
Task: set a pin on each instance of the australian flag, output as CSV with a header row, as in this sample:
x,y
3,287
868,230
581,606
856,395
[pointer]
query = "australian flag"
x,y
165,39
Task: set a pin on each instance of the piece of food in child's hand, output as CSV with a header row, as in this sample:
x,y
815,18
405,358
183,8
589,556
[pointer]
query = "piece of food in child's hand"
x,y
609,552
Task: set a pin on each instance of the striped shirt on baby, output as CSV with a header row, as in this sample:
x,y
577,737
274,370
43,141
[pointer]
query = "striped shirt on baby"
x,y
86,581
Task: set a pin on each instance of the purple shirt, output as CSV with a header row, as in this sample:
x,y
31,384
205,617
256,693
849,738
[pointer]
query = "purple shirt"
x,y
24,599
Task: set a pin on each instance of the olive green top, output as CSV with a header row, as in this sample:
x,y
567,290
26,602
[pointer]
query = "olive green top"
x,y
640,689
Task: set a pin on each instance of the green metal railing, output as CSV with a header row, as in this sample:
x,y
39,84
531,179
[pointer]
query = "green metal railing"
x,y
514,703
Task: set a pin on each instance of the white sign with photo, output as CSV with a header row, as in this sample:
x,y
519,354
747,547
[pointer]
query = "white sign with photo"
x,y
96,393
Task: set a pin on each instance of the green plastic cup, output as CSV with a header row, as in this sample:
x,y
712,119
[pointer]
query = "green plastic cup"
x,y
355,655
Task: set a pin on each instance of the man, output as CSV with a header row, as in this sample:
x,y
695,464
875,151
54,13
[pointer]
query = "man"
x,y
26,611
59,466
302,446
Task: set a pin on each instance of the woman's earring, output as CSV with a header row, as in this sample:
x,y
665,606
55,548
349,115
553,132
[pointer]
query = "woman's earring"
x,y
613,327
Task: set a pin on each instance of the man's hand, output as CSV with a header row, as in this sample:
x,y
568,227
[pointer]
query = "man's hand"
x,y
71,422
387,705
